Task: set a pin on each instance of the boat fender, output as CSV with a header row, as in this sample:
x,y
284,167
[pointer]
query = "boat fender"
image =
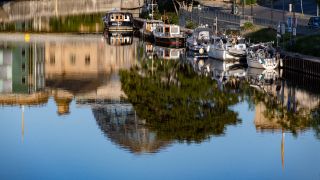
x,y
201,50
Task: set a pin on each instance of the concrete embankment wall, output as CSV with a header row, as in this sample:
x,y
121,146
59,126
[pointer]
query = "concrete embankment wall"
x,y
301,63
20,10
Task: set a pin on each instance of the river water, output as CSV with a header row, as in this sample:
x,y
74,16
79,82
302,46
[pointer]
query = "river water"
x,y
86,107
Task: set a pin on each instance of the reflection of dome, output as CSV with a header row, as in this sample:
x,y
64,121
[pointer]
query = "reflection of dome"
x,y
119,123
63,100
63,106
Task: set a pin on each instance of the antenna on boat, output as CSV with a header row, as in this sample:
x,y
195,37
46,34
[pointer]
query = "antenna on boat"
x,y
152,8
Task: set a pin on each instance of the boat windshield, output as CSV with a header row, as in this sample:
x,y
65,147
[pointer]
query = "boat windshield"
x,y
204,35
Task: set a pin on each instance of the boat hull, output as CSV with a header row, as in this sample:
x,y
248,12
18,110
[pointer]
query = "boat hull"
x,y
170,42
220,54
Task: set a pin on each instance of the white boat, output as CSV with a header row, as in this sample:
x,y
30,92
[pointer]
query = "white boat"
x,y
200,38
219,49
238,47
263,56
226,48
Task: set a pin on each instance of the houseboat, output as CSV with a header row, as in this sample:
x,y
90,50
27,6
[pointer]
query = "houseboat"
x,y
118,21
169,35
146,32
263,56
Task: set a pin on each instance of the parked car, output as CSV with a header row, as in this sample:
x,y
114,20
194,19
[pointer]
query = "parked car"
x,y
314,22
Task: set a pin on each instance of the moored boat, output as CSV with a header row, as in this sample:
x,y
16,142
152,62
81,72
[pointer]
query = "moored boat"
x,y
118,21
169,35
146,32
200,38
219,49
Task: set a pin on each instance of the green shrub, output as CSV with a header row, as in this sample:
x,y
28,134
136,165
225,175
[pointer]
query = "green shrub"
x,y
247,26
190,25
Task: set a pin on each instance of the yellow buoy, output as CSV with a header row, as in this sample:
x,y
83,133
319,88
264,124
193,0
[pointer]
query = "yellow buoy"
x,y
27,37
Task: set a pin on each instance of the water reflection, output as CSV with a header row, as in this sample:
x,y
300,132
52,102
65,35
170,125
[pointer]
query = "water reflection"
x,y
279,104
177,103
22,80
119,122
152,102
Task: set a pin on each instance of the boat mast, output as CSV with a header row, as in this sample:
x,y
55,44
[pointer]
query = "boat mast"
x,y
152,9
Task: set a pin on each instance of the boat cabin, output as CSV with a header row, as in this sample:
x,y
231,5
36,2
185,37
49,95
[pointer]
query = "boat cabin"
x,y
151,25
202,34
118,16
118,21
168,30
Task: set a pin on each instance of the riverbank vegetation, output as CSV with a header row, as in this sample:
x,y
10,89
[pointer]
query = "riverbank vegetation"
x,y
309,45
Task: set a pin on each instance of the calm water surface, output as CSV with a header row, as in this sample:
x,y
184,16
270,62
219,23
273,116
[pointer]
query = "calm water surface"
x,y
84,107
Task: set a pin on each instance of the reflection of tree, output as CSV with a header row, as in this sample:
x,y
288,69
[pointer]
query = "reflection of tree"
x,y
177,103
283,115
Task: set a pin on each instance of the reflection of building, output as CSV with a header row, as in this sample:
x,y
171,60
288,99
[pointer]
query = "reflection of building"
x,y
86,70
119,123
290,98
89,57
22,75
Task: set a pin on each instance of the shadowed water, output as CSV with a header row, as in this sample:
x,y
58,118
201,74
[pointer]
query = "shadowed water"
x,y
118,108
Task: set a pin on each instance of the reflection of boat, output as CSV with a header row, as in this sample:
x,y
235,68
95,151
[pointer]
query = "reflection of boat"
x,y
169,35
119,39
118,21
262,79
226,69
168,53
263,56
200,39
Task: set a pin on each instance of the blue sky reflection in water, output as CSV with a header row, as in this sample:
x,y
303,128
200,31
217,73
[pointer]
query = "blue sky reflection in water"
x,y
78,145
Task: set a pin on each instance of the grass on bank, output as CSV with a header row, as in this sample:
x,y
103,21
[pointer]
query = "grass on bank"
x,y
308,45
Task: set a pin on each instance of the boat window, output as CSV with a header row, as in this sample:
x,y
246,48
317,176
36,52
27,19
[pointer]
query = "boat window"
x,y
166,53
204,35
174,53
167,29
241,41
224,41
112,18
117,17
120,16
175,30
